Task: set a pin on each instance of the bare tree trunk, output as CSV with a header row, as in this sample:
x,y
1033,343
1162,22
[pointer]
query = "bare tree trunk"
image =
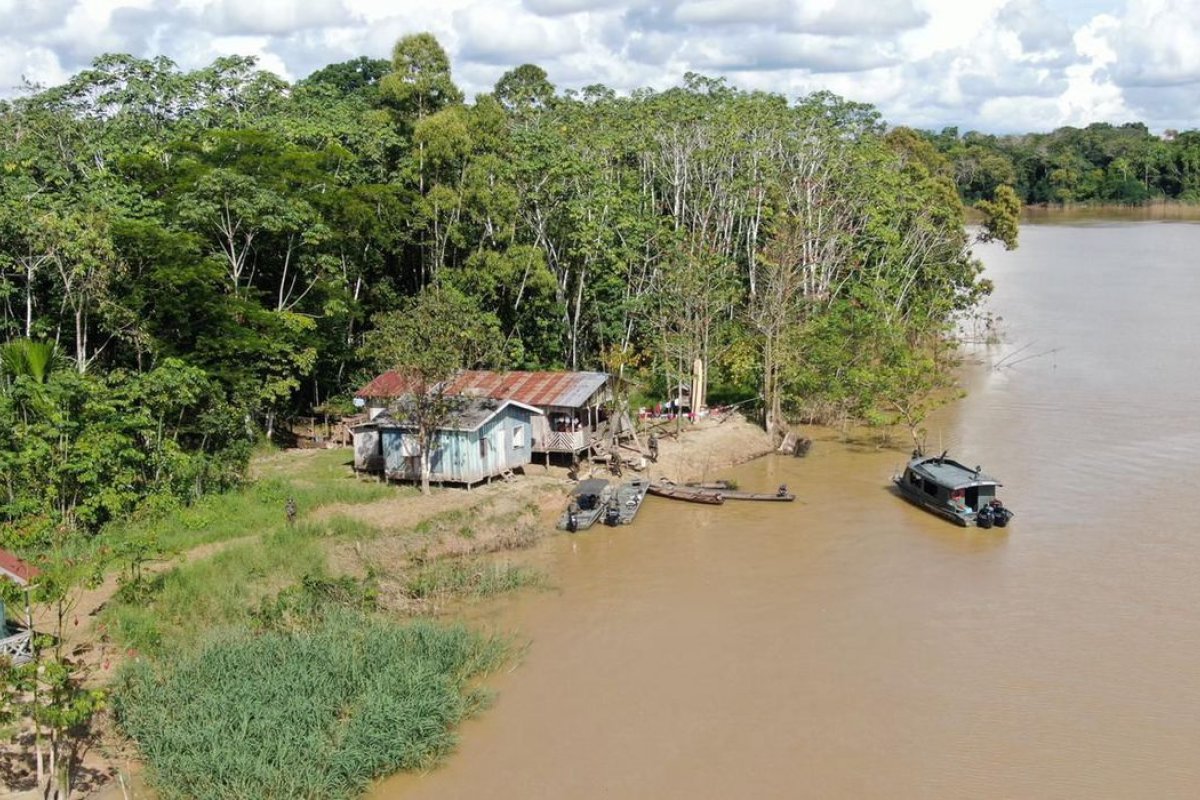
x,y
80,342
425,468
29,270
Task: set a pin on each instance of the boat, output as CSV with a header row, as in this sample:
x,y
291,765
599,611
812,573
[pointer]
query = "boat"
x,y
625,501
588,503
728,490
959,493
689,494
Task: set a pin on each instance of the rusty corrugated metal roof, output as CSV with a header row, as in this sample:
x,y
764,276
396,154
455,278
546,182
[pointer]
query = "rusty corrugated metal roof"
x,y
17,570
389,384
540,389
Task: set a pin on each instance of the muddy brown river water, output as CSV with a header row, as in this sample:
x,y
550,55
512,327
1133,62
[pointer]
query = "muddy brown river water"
x,y
853,646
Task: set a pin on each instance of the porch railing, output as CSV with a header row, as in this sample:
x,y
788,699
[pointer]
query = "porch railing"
x,y
19,648
562,442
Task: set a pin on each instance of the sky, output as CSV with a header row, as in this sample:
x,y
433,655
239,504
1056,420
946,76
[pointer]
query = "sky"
x,y
999,66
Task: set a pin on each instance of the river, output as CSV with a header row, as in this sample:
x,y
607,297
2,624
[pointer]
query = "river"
x,y
853,646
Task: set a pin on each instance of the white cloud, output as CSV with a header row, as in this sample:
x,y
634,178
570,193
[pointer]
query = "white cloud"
x,y
858,17
243,17
495,34
1157,44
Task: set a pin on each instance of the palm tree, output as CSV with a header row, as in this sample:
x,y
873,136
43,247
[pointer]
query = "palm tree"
x,y
25,357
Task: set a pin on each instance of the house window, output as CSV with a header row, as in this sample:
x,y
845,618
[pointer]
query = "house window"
x,y
518,435
483,447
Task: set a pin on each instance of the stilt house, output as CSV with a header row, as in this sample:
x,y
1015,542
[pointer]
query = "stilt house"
x,y
572,404
485,439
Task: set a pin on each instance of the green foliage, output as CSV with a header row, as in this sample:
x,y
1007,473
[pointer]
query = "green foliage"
x,y
312,600
307,715
260,248
223,590
456,578
1101,163
524,88
1001,217
432,335
419,83
27,358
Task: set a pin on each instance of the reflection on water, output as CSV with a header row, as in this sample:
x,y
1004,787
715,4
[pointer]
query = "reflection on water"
x,y
1153,212
853,646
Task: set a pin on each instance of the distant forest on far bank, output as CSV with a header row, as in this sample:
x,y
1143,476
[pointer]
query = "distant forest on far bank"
x,y
1102,163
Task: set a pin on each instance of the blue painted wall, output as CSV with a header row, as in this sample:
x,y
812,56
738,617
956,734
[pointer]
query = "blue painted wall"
x,y
458,456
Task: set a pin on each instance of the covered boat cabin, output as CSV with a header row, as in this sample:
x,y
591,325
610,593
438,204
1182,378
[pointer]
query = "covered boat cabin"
x,y
484,439
16,640
957,487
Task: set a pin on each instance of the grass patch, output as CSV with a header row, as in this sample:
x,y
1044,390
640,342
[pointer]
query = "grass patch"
x,y
308,715
172,610
455,578
311,480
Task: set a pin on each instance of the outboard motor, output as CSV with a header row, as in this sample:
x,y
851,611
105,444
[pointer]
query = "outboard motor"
x,y
985,517
612,516
1002,515
572,521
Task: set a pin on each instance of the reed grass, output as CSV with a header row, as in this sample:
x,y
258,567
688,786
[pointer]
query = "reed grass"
x,y
455,578
303,715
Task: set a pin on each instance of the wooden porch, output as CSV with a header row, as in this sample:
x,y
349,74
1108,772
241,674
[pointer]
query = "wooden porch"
x,y
18,647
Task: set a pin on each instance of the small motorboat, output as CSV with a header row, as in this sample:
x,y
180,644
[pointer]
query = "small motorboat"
x,y
588,503
689,494
953,490
624,502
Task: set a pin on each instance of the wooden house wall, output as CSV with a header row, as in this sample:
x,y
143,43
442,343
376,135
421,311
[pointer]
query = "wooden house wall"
x,y
366,446
456,457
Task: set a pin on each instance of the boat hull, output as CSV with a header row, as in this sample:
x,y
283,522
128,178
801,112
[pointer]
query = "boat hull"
x,y
962,519
726,490
589,502
762,497
686,494
628,501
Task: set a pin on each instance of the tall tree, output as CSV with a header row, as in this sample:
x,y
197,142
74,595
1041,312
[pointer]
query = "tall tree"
x,y
427,341
419,83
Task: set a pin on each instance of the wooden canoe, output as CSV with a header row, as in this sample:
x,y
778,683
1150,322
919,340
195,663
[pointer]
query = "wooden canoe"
x,y
688,494
768,497
726,490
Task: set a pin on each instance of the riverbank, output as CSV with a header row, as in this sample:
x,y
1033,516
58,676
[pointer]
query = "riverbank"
x,y
415,557
1163,211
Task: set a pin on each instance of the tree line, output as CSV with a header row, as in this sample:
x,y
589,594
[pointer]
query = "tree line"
x,y
189,257
1101,163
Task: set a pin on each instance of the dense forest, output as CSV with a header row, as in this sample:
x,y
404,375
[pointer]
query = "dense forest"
x,y
1102,163
189,259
